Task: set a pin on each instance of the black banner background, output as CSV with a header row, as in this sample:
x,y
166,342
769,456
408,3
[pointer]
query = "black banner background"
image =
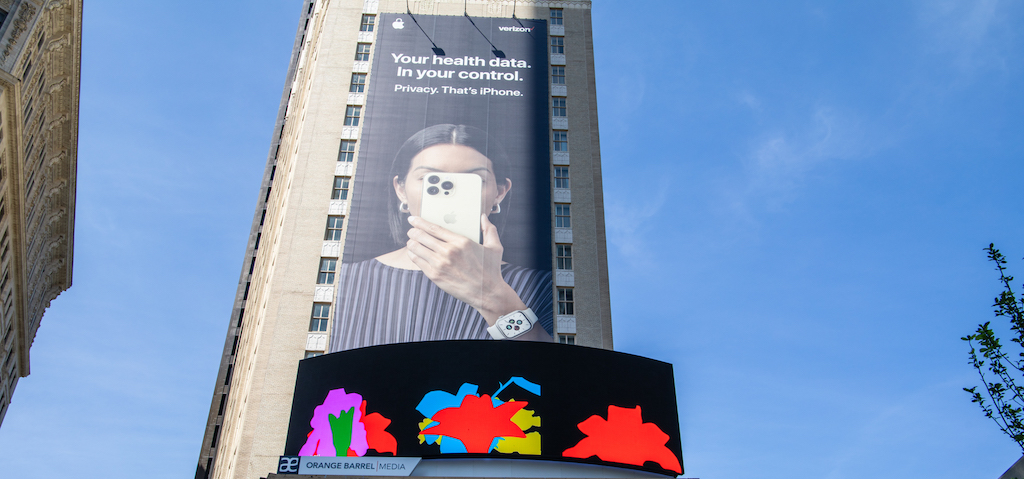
x,y
576,383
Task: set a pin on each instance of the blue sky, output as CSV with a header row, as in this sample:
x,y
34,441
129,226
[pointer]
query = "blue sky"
x,y
798,194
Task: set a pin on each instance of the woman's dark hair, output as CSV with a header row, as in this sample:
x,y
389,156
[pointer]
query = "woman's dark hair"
x,y
444,134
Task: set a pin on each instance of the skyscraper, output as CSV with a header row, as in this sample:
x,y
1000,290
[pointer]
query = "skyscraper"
x,y
40,65
370,83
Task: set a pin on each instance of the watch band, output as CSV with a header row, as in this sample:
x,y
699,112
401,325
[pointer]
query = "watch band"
x,y
513,324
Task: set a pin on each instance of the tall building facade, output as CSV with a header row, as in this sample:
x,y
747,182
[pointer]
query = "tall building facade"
x,y
322,149
40,61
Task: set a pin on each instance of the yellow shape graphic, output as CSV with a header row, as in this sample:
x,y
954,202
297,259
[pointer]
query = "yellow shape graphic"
x,y
529,445
524,419
423,425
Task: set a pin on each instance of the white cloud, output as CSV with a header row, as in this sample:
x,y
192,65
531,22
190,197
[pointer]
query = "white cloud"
x,y
747,98
628,222
971,33
779,163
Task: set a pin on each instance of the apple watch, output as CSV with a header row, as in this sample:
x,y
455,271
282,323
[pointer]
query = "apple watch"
x,y
513,324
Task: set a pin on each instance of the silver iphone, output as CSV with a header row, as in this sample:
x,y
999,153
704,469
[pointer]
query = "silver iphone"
x,y
452,200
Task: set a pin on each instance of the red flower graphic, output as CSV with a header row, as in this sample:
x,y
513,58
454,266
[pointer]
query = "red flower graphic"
x,y
377,438
477,422
624,438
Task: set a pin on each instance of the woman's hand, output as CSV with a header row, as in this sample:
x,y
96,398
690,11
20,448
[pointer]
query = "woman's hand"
x,y
468,271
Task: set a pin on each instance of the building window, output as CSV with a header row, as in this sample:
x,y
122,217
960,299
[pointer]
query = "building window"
x,y
556,16
561,140
334,224
363,52
313,354
558,106
367,24
340,190
558,45
321,312
352,115
565,302
563,257
358,83
567,339
562,216
561,177
558,75
347,152
326,275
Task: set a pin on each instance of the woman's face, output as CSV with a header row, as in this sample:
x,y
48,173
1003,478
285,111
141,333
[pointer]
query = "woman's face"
x,y
450,159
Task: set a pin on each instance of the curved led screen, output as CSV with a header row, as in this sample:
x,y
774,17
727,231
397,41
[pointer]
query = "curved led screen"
x,y
504,399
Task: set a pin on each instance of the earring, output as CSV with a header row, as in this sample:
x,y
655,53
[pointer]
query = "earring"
x,y
496,208
403,207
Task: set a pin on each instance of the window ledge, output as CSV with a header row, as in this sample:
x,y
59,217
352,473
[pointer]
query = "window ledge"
x,y
338,207
349,132
343,168
563,235
565,324
560,157
331,249
316,341
323,293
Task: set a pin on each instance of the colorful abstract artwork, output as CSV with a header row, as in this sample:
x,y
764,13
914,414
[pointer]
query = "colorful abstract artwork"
x,y
341,427
470,422
624,438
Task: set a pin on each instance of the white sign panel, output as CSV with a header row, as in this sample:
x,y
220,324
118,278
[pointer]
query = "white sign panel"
x,y
348,466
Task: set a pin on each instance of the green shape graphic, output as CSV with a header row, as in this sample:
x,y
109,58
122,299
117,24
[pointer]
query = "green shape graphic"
x,y
341,429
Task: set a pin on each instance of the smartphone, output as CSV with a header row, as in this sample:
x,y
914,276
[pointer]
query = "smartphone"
x,y
452,200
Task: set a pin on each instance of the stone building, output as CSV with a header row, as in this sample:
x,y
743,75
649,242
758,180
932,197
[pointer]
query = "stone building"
x,y
271,327
40,65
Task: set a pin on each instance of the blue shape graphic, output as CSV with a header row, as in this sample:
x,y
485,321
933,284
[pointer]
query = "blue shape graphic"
x,y
450,445
521,382
435,401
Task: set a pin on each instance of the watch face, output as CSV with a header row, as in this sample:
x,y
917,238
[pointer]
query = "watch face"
x,y
514,324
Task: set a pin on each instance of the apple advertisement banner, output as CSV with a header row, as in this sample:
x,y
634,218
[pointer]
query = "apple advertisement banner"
x,y
449,225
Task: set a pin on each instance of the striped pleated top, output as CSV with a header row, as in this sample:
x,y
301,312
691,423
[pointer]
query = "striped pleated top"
x,y
380,304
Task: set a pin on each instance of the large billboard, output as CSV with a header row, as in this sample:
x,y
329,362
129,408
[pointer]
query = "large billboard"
x,y
440,400
450,99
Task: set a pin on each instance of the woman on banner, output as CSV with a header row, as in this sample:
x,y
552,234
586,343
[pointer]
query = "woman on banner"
x,y
439,285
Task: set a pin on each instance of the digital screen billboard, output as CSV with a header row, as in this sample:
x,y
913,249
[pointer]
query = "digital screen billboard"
x,y
487,399
449,227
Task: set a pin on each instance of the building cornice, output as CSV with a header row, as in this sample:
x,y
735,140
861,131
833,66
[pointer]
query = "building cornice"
x,y
14,197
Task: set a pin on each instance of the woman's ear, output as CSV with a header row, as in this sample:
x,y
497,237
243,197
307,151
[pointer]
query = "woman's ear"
x,y
503,189
399,189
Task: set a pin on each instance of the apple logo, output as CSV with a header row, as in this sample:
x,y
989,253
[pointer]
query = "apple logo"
x,y
451,218
398,24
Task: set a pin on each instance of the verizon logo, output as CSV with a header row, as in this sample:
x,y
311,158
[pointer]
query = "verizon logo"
x,y
516,29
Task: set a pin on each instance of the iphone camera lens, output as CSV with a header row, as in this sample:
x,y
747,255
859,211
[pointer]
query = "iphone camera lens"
x,y
447,185
432,190
433,179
